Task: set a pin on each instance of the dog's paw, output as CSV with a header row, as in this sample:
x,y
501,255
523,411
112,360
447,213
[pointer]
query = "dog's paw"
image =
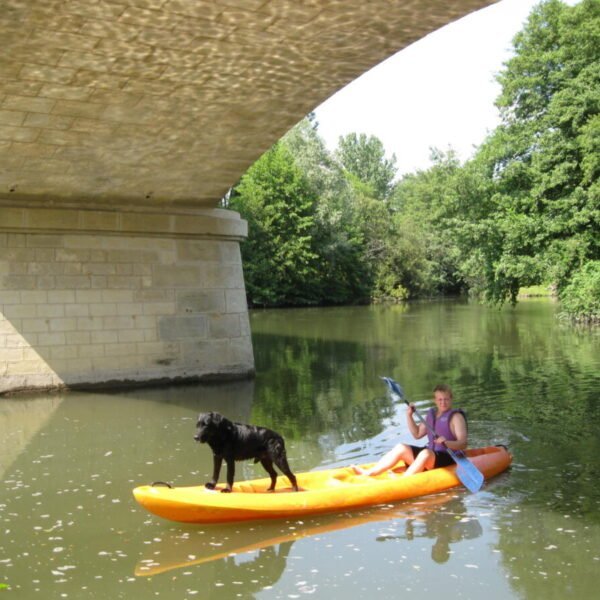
x,y
226,490
209,485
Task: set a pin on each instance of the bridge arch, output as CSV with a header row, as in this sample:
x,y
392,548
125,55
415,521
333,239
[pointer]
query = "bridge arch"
x,y
122,124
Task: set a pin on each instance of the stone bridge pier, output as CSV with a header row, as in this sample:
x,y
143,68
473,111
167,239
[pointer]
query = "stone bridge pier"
x,y
122,125
96,297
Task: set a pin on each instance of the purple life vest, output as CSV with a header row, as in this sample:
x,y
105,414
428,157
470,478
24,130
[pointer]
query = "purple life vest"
x,y
441,426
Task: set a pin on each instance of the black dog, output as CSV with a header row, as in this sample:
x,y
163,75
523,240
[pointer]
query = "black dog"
x,y
231,441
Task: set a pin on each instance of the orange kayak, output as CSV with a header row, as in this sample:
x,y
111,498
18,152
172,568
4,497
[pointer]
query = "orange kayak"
x,y
326,491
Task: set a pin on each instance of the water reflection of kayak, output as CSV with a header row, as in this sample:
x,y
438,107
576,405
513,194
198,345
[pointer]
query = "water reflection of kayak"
x,y
187,548
333,490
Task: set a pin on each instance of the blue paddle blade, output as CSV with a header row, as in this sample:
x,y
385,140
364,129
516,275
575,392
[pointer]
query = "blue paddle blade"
x,y
470,476
394,387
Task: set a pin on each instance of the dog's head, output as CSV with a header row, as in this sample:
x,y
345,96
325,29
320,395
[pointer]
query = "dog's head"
x,y
209,426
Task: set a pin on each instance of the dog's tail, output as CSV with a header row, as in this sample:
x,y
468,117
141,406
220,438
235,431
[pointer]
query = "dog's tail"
x,y
277,446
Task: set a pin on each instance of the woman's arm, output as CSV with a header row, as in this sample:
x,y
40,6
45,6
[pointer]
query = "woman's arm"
x,y
417,431
458,426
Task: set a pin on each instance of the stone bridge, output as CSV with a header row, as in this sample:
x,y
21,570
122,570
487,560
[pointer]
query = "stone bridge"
x,y
122,125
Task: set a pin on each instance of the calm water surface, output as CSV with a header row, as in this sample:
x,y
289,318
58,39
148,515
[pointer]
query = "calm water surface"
x,y
71,529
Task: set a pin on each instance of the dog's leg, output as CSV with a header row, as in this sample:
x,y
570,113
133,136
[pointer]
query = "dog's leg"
x,y
217,460
230,474
268,466
282,463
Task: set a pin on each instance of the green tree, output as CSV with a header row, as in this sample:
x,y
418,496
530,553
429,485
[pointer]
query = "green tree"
x,y
581,297
344,274
531,214
363,158
430,254
280,260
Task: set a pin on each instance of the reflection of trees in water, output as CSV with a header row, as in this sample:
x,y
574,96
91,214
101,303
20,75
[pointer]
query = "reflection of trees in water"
x,y
448,525
516,371
313,385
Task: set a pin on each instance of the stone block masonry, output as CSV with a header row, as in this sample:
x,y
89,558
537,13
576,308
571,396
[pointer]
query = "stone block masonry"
x,y
168,102
103,298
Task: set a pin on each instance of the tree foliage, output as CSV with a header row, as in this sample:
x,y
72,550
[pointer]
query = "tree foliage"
x,y
581,297
429,254
531,213
281,262
363,158
525,210
305,244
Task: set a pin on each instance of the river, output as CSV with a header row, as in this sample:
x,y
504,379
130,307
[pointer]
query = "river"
x,y
68,462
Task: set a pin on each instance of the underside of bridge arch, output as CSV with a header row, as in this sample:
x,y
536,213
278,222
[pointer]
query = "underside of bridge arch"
x,y
122,125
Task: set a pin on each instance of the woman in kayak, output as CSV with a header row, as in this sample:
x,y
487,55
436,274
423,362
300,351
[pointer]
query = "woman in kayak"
x,y
450,426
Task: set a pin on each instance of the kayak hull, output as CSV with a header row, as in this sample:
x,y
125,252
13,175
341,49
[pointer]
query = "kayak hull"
x,y
331,490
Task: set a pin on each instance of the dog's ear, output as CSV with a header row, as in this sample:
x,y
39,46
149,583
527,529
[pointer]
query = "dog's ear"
x,y
216,418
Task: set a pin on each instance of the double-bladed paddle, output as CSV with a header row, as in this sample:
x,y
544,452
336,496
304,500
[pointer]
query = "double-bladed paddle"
x,y
466,471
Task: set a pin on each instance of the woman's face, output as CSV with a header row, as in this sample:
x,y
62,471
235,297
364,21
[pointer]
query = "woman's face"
x,y
443,401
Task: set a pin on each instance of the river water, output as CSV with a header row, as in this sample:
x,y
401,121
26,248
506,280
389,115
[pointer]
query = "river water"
x,y
68,462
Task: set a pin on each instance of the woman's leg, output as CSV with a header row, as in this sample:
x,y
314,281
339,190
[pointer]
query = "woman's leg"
x,y
425,460
389,460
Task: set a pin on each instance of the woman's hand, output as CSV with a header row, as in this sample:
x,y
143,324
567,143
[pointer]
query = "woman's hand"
x,y
417,431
